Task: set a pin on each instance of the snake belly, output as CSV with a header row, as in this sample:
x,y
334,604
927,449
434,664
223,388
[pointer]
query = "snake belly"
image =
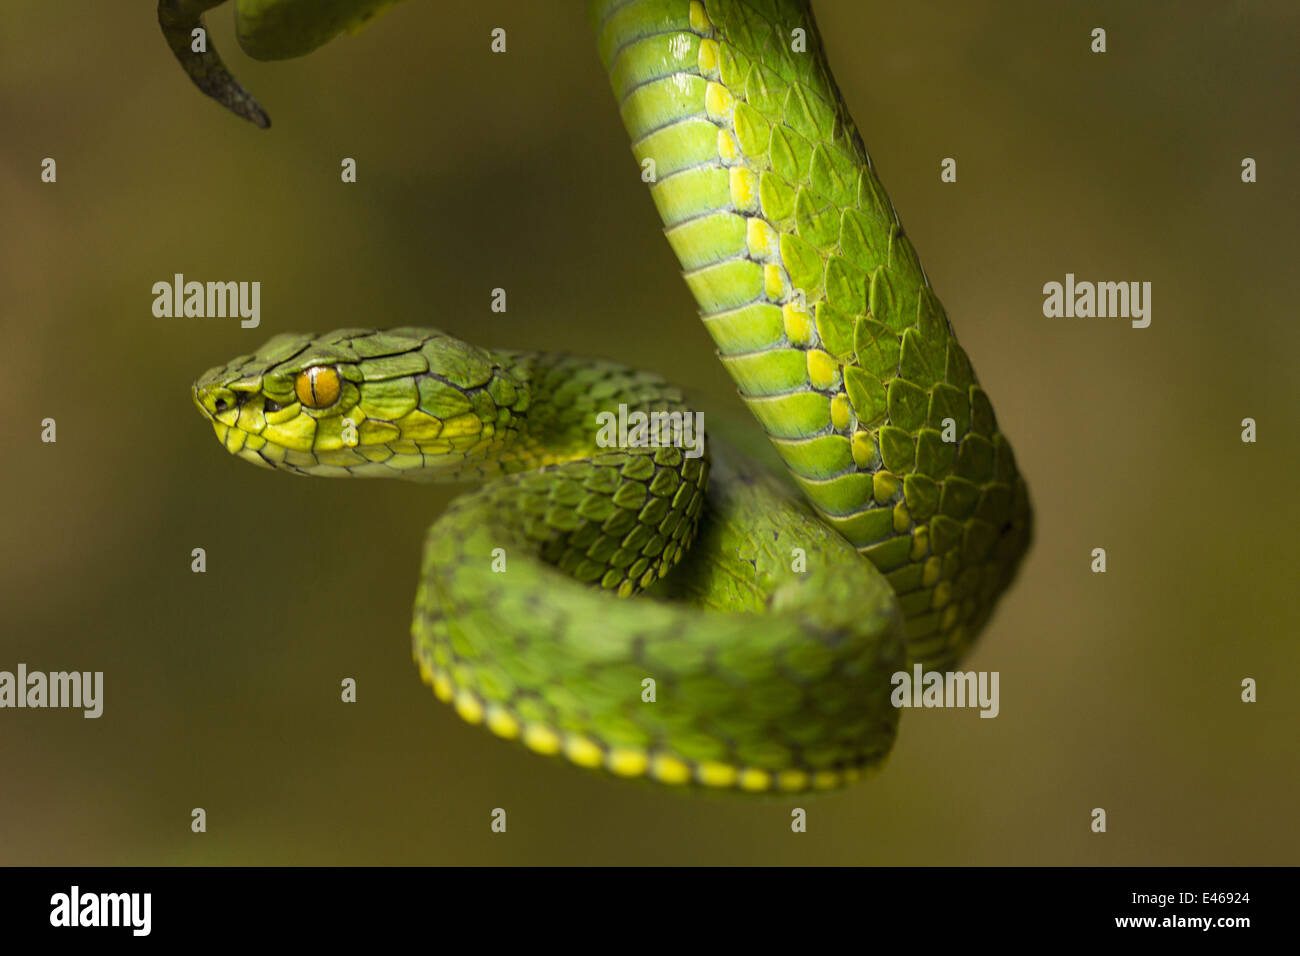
x,y
817,302
756,651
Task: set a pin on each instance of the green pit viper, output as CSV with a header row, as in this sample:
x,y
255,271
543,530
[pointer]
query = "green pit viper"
x,y
757,651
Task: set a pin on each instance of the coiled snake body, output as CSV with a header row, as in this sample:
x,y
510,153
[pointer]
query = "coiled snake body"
x,y
761,658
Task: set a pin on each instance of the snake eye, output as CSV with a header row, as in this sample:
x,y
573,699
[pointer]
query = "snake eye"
x,y
317,387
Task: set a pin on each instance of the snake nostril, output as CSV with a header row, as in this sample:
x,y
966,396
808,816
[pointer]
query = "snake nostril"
x,y
269,406
231,400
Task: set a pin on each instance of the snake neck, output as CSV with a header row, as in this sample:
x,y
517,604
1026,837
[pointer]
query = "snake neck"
x,y
571,402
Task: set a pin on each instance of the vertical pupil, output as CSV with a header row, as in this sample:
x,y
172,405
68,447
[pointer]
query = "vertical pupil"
x,y
317,387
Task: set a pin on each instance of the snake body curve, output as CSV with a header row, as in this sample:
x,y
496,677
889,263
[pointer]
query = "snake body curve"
x,y
761,658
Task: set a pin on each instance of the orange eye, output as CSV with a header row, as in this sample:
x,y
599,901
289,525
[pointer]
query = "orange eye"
x,y
317,387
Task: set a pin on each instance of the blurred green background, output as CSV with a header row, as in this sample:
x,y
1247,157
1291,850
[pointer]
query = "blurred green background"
x,y
476,171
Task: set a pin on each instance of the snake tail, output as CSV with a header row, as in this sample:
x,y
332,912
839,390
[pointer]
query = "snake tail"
x,y
266,30
179,19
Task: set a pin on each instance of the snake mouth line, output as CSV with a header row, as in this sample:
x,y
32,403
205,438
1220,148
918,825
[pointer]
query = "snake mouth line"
x,y
247,454
222,430
198,403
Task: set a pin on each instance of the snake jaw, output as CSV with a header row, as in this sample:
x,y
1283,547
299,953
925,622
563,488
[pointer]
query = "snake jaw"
x,y
235,414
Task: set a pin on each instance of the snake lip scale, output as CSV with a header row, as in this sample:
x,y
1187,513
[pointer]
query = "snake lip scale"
x,y
696,621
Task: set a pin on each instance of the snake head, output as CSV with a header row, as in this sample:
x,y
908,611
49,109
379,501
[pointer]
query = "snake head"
x,y
412,403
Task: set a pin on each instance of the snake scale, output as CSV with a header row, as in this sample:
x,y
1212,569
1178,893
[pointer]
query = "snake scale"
x,y
634,607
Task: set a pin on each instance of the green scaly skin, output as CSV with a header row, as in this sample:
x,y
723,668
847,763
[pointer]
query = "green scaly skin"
x,y
766,678
763,677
